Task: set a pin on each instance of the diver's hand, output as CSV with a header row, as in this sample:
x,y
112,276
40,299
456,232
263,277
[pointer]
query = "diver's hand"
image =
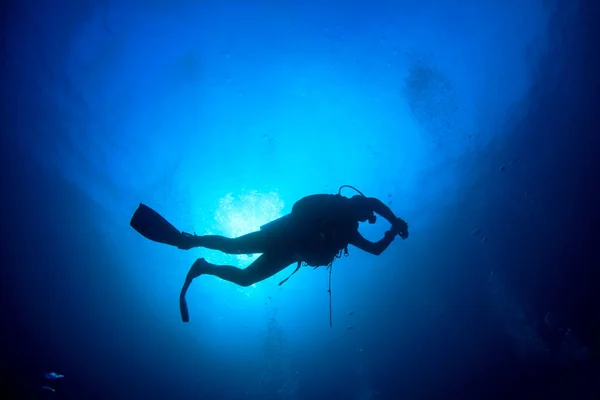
x,y
400,227
390,235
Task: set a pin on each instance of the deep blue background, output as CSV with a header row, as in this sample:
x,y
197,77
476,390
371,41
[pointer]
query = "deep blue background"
x,y
220,115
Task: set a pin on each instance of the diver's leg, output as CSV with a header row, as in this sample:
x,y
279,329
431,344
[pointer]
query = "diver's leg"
x,y
252,243
264,267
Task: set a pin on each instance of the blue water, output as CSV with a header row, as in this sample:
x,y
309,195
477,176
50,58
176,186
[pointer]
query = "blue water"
x,y
476,121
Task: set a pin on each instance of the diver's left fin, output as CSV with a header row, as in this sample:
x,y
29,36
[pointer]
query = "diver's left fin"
x,y
155,227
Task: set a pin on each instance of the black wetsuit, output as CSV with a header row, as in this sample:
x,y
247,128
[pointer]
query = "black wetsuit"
x,y
322,225
318,227
315,232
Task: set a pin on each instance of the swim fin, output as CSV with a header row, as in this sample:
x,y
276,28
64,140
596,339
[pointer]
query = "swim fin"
x,y
194,272
153,226
183,307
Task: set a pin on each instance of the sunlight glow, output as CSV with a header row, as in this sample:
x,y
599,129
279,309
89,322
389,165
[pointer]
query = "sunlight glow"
x,y
247,212
239,214
243,213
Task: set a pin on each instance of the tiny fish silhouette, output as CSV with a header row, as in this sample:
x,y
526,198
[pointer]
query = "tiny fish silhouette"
x,y
52,376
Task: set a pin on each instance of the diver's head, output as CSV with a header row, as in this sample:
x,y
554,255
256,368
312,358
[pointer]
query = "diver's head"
x,y
362,209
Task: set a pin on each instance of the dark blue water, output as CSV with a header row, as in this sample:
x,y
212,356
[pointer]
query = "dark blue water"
x,y
477,122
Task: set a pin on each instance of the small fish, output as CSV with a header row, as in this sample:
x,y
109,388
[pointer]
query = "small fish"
x,y
502,168
484,240
52,376
476,232
48,388
349,327
350,312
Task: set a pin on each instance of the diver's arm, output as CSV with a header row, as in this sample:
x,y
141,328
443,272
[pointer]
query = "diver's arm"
x,y
373,248
398,224
378,207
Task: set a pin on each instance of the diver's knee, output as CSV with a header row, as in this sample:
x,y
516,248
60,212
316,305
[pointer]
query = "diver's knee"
x,y
246,280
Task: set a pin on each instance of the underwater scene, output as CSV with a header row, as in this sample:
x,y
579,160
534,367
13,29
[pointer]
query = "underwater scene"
x,y
289,200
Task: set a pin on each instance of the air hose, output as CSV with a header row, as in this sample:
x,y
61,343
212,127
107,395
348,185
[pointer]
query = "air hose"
x,y
350,187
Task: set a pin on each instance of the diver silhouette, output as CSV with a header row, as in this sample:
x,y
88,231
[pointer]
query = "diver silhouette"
x,y
318,230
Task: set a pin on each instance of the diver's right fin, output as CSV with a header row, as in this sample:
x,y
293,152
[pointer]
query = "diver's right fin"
x,y
183,307
194,272
153,226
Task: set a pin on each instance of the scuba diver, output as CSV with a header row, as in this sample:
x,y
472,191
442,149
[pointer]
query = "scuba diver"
x,y
318,230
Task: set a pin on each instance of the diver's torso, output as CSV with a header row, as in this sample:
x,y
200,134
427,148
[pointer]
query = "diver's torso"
x,y
316,230
321,226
